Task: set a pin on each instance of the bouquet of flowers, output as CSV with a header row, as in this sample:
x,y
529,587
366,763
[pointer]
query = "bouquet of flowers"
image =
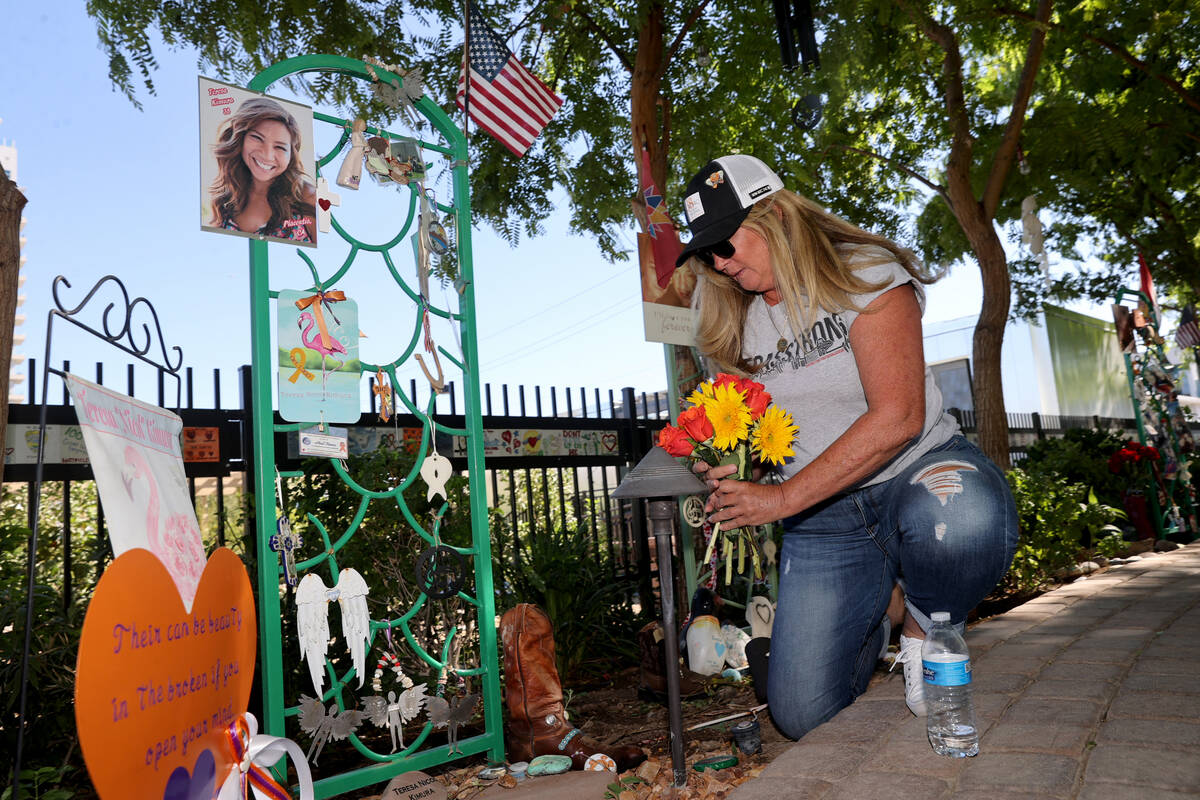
x,y
730,420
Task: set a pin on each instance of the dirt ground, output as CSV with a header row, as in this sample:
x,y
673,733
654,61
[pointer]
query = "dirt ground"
x,y
616,715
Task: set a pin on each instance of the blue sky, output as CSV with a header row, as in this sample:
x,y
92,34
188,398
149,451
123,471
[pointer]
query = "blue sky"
x,y
112,190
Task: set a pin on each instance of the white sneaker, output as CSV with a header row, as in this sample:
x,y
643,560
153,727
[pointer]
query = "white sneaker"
x,y
914,680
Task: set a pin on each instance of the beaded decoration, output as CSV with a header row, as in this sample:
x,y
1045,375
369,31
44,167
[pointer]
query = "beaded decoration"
x,y
389,660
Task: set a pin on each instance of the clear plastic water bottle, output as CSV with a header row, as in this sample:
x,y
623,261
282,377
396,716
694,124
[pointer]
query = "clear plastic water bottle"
x,y
950,717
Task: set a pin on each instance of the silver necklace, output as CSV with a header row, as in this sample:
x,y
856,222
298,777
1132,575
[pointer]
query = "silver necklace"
x,y
782,344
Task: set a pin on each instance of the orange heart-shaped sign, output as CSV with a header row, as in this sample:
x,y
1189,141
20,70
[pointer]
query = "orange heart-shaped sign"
x,y
156,686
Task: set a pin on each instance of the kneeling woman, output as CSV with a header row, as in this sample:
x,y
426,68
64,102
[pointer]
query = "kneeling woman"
x,y
883,486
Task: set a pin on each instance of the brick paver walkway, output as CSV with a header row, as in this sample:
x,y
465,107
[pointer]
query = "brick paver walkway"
x,y
1088,692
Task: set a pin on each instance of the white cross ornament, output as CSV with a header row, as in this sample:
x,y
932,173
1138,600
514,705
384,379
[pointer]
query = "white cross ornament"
x,y
325,199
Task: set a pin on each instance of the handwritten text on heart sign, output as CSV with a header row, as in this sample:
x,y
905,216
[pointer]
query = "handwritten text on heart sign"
x,y
131,636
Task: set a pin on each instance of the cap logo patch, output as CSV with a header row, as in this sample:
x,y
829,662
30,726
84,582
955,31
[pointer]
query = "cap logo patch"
x,y
716,179
693,207
759,191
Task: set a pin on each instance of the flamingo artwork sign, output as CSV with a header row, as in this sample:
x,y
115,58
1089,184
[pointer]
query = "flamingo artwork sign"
x,y
137,461
319,368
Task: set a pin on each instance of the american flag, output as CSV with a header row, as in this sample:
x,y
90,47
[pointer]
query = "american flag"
x,y
507,100
1188,334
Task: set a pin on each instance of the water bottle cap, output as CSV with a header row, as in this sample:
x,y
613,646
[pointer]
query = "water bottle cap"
x,y
940,616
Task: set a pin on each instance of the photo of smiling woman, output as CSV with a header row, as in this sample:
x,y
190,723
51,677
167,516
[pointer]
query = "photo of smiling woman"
x,y
256,169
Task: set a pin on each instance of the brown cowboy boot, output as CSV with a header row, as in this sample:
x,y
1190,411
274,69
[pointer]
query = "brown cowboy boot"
x,y
537,722
652,668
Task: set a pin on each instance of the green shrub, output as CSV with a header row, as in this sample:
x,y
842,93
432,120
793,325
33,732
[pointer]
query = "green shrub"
x,y
1056,515
570,578
1080,456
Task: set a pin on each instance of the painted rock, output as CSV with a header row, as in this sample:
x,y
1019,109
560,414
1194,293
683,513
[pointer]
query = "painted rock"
x,y
549,765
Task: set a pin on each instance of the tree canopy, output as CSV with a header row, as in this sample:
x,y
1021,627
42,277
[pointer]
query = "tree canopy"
x,y
924,105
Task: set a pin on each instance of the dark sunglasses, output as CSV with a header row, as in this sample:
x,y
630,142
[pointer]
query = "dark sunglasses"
x,y
724,249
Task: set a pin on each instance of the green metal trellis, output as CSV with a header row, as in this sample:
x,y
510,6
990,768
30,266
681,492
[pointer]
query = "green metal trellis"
x,y
275,705
1178,509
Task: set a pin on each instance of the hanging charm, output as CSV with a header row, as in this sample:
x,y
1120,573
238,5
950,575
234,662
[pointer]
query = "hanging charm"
x,y
436,471
324,727
312,622
350,175
440,572
393,712
285,543
451,715
433,234
383,389
325,200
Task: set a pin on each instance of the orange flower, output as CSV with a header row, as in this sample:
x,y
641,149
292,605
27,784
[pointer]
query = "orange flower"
x,y
695,422
757,397
674,441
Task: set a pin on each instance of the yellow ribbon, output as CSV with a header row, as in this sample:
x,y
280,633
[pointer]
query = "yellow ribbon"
x,y
296,354
384,390
315,301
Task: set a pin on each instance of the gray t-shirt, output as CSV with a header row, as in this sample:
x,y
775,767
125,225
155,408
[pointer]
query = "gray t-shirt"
x,y
815,375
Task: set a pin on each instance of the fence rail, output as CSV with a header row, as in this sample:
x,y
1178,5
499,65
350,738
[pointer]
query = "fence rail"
x,y
553,459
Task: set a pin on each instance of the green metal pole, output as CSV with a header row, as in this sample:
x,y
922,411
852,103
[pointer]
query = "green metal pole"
x,y
476,486
270,648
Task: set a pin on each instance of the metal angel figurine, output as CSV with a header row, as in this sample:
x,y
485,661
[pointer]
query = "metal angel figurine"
x,y
312,621
395,711
323,727
451,715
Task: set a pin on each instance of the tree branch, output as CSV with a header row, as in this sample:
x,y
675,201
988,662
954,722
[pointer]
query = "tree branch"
x,y
1175,86
527,20
894,164
1007,151
688,23
608,40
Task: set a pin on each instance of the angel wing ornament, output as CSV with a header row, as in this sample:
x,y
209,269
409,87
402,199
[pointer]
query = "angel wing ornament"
x,y
395,711
312,621
312,625
352,594
325,726
450,715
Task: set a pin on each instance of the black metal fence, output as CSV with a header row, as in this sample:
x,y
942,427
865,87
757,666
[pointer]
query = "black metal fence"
x,y
553,459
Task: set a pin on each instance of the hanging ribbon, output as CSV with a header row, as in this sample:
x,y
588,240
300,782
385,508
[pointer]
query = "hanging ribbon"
x,y
384,390
316,301
252,754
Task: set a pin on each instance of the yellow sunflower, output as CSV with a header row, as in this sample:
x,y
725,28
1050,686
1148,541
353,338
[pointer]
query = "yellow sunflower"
x,y
730,417
772,437
701,394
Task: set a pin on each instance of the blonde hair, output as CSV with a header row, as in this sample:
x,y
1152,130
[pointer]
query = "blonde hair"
x,y
810,253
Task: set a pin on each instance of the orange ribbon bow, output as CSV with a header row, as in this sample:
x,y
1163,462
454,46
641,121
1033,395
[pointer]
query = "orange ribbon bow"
x,y
316,301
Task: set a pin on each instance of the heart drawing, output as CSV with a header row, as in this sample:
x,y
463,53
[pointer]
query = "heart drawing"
x,y
156,686
199,784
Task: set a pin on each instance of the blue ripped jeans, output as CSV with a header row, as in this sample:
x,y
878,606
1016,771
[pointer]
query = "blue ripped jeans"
x,y
946,527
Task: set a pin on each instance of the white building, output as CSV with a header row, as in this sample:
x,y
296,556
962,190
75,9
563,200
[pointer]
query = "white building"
x,y
1061,363
8,162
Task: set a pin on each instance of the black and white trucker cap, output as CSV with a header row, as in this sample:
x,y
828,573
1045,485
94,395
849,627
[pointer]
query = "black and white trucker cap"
x,y
719,198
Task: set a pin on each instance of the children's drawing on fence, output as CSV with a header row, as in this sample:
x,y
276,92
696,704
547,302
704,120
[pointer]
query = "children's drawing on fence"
x,y
557,442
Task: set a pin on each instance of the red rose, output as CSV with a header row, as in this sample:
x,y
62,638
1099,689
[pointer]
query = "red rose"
x,y
695,422
723,378
1150,453
674,441
757,397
